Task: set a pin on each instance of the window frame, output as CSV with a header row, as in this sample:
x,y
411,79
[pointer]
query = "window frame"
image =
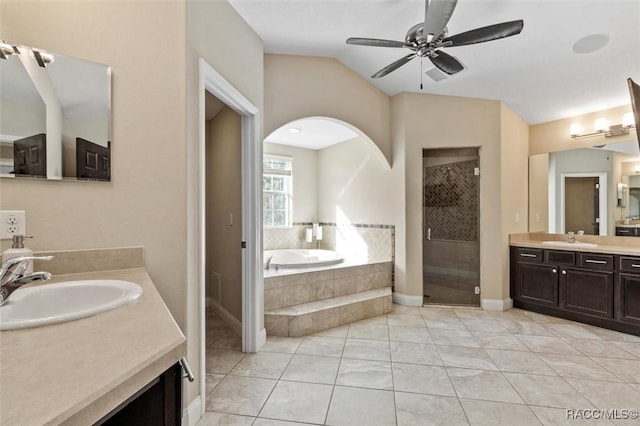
x,y
286,174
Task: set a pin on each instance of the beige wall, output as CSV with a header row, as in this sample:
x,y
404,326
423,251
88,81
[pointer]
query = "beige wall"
x,y
144,204
210,27
224,198
539,193
429,121
352,178
305,180
302,86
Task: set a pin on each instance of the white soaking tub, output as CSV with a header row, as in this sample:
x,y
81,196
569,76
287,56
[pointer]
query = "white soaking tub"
x,y
300,258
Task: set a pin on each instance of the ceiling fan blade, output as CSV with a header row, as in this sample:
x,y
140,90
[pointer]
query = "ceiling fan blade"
x,y
375,42
488,33
446,63
394,66
436,15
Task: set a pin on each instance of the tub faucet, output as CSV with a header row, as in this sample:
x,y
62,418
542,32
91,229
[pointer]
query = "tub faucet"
x,y
572,237
266,268
12,275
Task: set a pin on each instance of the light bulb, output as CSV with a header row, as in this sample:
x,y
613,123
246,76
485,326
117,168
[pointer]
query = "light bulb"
x,y
574,129
627,119
600,125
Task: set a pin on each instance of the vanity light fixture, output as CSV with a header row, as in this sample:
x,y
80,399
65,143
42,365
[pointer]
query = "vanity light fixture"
x,y
43,58
601,127
637,168
7,50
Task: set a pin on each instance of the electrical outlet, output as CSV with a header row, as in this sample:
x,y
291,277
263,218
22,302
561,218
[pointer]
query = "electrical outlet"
x,y
12,222
477,289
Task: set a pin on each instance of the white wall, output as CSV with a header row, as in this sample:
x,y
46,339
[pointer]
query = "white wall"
x,y
305,180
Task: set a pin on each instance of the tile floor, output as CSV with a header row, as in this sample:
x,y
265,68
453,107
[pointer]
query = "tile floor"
x,y
425,366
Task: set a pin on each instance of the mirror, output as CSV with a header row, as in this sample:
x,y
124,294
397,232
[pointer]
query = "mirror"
x,y
55,116
589,189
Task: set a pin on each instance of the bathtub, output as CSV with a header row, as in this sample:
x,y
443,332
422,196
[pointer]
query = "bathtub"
x,y
299,258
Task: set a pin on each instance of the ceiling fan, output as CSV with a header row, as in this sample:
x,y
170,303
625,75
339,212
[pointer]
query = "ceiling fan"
x,y
426,38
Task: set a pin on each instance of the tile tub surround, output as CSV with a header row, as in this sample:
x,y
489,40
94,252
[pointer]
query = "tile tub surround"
x,y
365,242
303,303
381,373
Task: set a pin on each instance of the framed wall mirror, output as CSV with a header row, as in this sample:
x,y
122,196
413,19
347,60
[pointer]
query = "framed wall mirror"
x,y
55,116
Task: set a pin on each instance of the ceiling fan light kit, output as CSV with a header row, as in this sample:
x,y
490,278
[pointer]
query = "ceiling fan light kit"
x,y
425,39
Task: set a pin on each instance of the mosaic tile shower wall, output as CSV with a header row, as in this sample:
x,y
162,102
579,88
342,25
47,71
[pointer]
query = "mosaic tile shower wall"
x,y
451,201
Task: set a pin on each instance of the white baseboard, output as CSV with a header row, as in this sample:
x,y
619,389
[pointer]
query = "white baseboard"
x,y
497,305
406,300
226,316
192,414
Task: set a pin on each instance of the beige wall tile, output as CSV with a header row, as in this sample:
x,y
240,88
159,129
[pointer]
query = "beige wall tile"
x,y
322,290
273,282
296,295
301,325
344,286
364,282
273,299
277,325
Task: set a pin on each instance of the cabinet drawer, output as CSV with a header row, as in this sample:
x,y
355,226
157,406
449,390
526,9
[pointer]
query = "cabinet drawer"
x,y
598,261
529,255
560,257
630,264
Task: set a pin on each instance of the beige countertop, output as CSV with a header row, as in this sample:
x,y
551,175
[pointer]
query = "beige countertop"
x,y
78,371
609,245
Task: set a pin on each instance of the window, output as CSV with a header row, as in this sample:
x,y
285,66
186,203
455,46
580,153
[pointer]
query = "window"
x,y
276,191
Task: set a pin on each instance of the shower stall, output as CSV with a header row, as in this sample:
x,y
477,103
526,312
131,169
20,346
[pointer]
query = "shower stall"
x,y
451,226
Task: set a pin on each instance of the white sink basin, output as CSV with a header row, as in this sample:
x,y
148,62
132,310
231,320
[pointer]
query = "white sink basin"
x,y
65,301
566,244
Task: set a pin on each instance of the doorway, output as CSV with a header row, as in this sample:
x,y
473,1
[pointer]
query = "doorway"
x,y
451,226
583,203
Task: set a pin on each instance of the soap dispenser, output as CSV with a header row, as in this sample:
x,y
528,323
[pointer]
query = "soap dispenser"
x,y
18,250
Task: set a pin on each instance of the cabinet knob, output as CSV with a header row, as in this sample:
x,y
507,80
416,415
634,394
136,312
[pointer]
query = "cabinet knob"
x,y
555,271
564,272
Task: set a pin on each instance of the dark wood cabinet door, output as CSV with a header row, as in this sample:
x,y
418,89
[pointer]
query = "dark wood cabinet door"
x,y
30,156
629,294
587,292
537,283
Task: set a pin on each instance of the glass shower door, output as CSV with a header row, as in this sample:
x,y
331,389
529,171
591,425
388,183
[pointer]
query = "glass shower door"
x,y
451,249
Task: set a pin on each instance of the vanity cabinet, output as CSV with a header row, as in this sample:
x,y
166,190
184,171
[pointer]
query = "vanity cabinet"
x,y
598,289
157,404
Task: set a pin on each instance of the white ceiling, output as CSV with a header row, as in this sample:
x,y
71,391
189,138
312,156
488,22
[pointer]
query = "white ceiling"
x,y
313,133
537,73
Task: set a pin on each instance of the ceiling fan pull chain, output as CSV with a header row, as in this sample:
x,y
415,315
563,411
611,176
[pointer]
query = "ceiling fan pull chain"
x,y
421,62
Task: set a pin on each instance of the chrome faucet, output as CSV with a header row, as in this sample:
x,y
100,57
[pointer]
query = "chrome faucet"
x,y
12,275
266,268
572,237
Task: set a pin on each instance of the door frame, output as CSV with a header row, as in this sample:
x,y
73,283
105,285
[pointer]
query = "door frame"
x,y
253,332
602,198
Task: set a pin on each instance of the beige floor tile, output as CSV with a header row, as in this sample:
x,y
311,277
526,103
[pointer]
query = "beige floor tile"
x,y
426,410
356,406
374,350
453,338
558,416
471,313
499,341
511,314
240,395
271,422
415,353
626,369
547,391
571,330
489,413
549,345
371,332
405,310
607,394
212,418
601,348
221,361
409,334
484,324
312,369
438,313
298,402
223,339
520,362
579,367
365,374
212,380
528,328
459,356
377,320
406,320
484,385
287,345
611,335
630,347
340,331
320,345
267,365
428,379
448,324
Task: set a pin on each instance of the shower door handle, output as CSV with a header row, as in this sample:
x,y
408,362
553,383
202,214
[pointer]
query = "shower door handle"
x,y
428,237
